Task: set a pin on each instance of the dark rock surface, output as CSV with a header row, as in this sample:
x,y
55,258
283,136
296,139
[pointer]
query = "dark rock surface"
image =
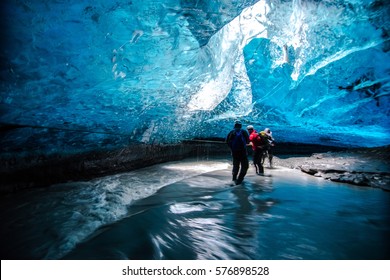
x,y
24,172
29,172
363,167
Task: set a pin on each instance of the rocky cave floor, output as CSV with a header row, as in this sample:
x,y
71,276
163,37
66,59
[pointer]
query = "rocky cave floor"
x,y
363,167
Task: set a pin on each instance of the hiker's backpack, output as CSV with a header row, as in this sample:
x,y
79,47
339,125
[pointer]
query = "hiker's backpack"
x,y
238,141
265,139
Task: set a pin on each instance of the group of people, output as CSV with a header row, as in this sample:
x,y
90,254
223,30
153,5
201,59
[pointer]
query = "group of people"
x,y
261,142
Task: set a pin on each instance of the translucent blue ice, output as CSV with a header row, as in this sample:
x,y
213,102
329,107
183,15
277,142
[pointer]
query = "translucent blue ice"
x,y
85,75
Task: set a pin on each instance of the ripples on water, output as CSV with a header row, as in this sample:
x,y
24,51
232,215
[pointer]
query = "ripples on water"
x,y
190,210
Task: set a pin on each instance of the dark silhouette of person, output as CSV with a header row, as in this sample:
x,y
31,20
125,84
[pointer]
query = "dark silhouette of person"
x,y
237,140
269,144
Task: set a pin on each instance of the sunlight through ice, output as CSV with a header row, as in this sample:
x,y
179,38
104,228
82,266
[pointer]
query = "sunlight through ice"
x,y
225,50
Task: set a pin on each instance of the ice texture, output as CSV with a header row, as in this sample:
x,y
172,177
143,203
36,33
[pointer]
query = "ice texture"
x,y
90,75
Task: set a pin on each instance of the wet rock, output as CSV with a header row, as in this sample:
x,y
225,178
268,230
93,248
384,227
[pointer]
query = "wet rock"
x,y
362,167
307,169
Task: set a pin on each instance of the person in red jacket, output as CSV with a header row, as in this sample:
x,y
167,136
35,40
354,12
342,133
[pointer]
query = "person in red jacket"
x,y
257,147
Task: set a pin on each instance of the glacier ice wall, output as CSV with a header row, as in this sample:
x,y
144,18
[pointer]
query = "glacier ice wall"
x,y
90,75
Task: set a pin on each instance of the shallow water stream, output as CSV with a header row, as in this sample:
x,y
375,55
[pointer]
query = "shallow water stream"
x,y
191,210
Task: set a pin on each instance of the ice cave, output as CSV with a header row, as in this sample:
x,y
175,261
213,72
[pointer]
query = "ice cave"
x,y
114,116
92,76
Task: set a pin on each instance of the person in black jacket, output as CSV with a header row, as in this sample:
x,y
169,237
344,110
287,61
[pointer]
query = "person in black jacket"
x,y
237,140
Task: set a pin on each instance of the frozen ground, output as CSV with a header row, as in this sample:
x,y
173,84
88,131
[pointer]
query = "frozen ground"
x,y
365,167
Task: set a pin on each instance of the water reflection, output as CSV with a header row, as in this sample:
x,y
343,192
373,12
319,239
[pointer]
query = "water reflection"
x,y
285,215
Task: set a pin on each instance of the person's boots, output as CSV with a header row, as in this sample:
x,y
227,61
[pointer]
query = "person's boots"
x,y
261,170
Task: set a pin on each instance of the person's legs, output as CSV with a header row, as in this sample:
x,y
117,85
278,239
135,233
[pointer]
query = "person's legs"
x,y
270,157
259,165
244,167
236,166
262,156
255,161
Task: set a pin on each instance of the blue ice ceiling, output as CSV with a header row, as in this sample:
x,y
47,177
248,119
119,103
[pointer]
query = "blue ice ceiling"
x,y
80,75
